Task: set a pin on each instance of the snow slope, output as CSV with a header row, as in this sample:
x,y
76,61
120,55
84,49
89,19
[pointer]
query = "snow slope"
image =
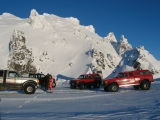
x,y
69,104
61,46
138,58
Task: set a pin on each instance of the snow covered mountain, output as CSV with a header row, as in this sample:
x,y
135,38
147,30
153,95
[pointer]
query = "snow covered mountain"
x,y
61,46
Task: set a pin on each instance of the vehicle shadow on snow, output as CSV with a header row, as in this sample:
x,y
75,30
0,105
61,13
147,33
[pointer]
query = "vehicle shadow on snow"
x,y
158,79
11,91
59,76
101,89
63,81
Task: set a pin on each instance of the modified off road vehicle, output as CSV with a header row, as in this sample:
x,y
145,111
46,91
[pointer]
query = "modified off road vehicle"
x,y
11,80
139,79
86,81
41,77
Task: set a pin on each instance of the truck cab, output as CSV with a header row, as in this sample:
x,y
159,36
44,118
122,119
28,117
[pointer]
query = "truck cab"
x,y
12,80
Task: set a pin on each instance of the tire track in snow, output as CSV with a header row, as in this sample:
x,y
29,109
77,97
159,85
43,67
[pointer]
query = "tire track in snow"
x,y
36,99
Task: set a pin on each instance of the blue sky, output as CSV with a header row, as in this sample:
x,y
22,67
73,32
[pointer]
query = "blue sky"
x,y
138,20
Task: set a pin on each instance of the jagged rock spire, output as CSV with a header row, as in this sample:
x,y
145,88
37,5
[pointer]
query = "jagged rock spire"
x,y
123,46
124,40
111,37
33,13
20,57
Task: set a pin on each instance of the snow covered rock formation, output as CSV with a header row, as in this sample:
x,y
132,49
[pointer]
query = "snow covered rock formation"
x,y
20,58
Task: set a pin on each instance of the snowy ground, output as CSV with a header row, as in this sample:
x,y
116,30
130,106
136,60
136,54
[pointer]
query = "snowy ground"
x,y
68,104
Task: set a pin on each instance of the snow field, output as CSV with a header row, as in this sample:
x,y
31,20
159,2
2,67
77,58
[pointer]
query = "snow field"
x,y
69,104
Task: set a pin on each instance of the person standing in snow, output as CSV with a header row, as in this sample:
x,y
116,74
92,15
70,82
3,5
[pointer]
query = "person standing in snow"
x,y
46,81
50,84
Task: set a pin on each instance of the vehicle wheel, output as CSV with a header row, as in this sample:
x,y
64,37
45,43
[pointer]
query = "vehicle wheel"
x,y
136,87
106,88
72,86
91,86
29,89
145,85
113,87
98,85
81,86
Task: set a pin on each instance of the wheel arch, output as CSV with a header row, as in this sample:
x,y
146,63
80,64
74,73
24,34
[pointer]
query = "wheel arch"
x,y
29,82
112,83
144,80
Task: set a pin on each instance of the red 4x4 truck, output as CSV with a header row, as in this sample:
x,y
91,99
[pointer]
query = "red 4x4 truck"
x,y
140,79
86,81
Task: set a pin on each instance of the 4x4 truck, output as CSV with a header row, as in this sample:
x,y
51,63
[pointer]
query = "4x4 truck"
x,y
86,81
139,79
11,80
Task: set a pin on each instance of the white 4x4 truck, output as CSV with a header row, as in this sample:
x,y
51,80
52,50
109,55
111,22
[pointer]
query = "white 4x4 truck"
x,y
11,80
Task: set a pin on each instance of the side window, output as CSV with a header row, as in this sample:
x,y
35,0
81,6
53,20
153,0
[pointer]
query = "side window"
x,y
130,74
89,77
146,73
31,76
143,73
98,77
138,73
83,77
121,75
1,73
125,75
42,76
12,74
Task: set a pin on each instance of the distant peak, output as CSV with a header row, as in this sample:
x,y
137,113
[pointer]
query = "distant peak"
x,y
7,15
111,37
141,48
124,40
73,20
111,34
33,13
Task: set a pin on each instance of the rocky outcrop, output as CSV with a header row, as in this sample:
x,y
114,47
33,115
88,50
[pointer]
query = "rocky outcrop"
x,y
20,57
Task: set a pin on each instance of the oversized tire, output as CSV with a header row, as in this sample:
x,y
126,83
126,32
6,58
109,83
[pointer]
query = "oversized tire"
x,y
92,86
29,89
113,87
81,86
72,86
106,88
145,85
98,85
136,87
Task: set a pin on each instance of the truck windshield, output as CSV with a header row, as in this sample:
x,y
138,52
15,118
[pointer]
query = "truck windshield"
x,y
81,77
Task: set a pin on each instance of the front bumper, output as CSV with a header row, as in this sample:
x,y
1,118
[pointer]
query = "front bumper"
x,y
73,83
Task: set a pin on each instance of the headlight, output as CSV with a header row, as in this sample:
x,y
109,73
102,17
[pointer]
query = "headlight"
x,y
104,82
37,81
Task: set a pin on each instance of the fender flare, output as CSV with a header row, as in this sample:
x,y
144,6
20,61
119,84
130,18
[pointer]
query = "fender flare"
x,y
29,82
